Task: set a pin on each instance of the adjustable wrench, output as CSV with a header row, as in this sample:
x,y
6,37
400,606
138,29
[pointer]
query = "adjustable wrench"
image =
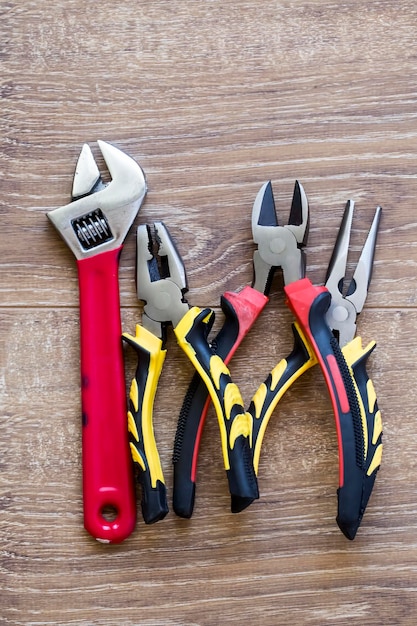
x,y
94,226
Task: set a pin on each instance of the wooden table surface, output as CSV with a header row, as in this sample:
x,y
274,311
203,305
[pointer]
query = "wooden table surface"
x,y
212,98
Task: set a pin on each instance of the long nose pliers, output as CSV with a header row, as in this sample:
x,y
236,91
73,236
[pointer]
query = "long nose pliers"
x,y
324,333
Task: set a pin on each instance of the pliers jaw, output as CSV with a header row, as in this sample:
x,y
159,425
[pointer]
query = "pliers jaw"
x,y
161,279
347,303
279,246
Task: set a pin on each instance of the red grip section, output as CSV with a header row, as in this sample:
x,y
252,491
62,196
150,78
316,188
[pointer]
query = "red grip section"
x,y
248,305
109,501
302,295
338,381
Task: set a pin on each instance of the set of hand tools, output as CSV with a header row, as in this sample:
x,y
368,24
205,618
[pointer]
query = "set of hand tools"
x,y
94,225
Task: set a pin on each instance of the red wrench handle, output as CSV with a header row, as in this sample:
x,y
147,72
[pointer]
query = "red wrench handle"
x,y
108,491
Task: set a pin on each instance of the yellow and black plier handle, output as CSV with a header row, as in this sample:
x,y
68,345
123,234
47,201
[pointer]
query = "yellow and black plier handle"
x,y
235,423
145,455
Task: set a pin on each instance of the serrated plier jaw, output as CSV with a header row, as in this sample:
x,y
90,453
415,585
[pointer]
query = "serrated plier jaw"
x,y
161,279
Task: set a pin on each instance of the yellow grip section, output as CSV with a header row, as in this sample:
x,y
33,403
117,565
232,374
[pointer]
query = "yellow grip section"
x,y
232,396
211,375
370,414
185,325
141,419
353,351
137,456
131,425
259,399
377,427
270,392
242,425
376,460
217,368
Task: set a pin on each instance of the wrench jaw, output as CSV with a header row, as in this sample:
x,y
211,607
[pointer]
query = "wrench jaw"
x,y
100,215
94,226
87,175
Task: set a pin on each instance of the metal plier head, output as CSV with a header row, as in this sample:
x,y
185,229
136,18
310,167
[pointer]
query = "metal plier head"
x,y
279,246
347,302
161,279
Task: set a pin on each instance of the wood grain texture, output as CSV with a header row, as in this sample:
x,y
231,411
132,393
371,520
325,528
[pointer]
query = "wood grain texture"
x,y
212,98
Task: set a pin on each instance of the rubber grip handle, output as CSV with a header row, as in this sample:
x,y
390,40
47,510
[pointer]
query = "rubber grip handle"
x,y
241,310
279,380
145,455
356,358
235,424
309,304
108,490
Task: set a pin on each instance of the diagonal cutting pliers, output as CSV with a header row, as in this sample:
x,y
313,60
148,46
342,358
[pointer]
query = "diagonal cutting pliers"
x,y
324,333
241,310
161,285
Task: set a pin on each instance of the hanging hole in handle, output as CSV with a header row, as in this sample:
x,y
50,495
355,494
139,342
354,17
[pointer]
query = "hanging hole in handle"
x,y
109,512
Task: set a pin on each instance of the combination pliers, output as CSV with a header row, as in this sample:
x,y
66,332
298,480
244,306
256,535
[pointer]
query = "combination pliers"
x,y
161,285
324,333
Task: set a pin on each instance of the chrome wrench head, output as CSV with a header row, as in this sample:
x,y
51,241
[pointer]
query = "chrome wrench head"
x,y
100,215
279,246
161,279
347,303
